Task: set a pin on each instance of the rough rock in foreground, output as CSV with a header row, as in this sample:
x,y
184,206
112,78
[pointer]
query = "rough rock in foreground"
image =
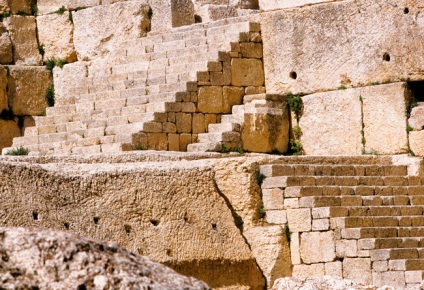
x,y
46,259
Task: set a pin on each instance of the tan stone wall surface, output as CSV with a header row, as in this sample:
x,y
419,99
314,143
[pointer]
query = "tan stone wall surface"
x,y
356,43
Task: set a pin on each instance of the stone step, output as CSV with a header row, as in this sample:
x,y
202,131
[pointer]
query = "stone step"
x,y
334,160
288,181
377,221
382,232
204,147
364,211
389,243
332,170
219,137
224,127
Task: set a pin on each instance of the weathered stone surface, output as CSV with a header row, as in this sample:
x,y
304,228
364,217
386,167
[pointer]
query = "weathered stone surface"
x,y
22,31
331,123
416,142
27,89
416,121
231,96
21,6
355,44
317,247
55,33
6,54
95,35
271,251
357,269
210,99
247,72
328,283
8,130
69,77
384,111
49,6
299,219
168,14
3,87
188,226
267,5
266,129
309,271
54,259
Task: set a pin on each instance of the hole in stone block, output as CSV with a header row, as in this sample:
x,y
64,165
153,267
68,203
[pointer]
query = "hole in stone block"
x,y
35,215
169,252
214,226
154,222
66,225
82,287
127,229
293,75
386,57
96,219
197,19
406,10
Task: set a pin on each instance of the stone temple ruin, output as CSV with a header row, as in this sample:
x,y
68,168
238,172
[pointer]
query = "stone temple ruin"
x,y
98,94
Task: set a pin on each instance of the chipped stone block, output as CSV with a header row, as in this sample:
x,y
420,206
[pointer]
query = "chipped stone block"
x,y
55,33
416,121
8,131
27,89
96,36
299,220
23,34
247,72
346,248
384,109
278,217
301,57
308,271
357,269
210,99
317,247
168,14
331,123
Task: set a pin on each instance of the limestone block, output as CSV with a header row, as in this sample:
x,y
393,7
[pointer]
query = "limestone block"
x,y
308,271
394,279
3,89
384,111
331,123
333,269
416,121
231,96
416,142
357,269
295,248
49,6
95,35
23,33
299,219
6,54
346,248
247,72
27,89
183,122
55,33
69,77
198,125
210,99
316,247
273,198
267,5
302,57
168,14
8,131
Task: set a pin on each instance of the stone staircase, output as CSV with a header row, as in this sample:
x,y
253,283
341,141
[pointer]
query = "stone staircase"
x,y
357,218
158,92
236,132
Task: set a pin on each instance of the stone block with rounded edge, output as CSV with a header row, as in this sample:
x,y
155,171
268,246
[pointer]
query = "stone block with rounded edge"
x,y
416,120
247,72
331,123
302,57
357,269
8,131
96,36
3,89
299,220
384,109
27,89
55,33
317,247
6,52
23,34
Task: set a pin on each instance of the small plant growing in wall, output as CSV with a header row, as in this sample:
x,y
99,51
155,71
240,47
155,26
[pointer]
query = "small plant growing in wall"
x,y
41,49
287,233
260,177
50,96
296,147
261,210
295,104
50,63
61,10
18,151
34,9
